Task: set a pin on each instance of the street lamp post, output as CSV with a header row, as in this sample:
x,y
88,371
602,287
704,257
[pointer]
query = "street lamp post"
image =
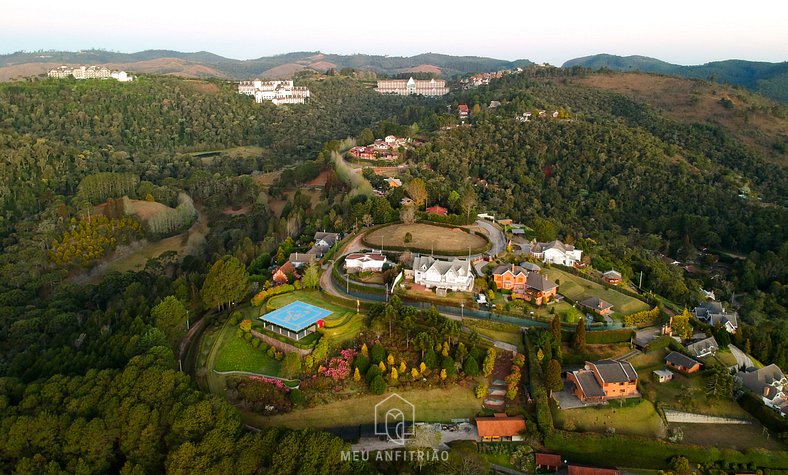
x,y
462,310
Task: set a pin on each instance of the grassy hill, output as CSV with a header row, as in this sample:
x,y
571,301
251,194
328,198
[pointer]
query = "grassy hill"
x,y
770,79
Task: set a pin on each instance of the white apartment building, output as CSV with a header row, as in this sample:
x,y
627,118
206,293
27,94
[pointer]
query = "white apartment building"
x,y
89,72
278,92
403,87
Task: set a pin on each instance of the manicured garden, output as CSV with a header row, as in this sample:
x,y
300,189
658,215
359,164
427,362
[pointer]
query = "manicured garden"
x,y
578,288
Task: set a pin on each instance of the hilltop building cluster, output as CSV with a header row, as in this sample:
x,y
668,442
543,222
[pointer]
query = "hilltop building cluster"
x,y
277,92
408,87
381,149
89,72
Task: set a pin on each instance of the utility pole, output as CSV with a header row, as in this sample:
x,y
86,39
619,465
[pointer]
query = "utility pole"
x,y
640,284
187,320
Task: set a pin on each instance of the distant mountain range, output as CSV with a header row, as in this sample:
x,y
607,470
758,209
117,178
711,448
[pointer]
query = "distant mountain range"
x,y
769,79
205,64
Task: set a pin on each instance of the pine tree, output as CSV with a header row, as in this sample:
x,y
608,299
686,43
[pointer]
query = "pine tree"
x,y
579,342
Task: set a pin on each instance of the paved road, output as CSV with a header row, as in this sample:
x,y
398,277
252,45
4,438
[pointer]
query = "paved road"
x,y
496,235
466,432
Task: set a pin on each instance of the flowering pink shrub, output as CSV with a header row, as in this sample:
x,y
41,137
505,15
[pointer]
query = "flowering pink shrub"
x,y
339,366
275,382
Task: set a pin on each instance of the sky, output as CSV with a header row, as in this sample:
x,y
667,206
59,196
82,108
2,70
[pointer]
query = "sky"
x,y
544,31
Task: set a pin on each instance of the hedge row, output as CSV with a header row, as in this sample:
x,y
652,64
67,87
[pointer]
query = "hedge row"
x,y
264,295
627,451
642,319
766,415
608,336
455,219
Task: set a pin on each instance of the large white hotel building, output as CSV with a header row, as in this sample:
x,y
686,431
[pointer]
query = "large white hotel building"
x,y
278,92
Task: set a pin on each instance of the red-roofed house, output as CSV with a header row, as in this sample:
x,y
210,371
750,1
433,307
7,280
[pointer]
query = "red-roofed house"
x,y
463,111
500,427
549,462
580,470
437,210
280,274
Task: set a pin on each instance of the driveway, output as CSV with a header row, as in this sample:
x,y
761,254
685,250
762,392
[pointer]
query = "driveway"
x,y
741,358
496,235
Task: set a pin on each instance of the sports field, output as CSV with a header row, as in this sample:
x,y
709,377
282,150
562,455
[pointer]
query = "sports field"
x,y
426,236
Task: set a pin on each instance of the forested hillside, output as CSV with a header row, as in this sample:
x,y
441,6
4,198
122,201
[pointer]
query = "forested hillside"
x,y
769,79
88,379
87,373
620,173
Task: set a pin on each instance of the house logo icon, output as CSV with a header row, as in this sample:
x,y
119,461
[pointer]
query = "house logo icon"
x,y
394,418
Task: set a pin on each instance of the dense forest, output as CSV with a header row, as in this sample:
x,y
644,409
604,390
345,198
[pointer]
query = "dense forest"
x,y
97,362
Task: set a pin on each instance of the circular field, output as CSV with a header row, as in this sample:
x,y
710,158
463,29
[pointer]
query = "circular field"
x,y
450,241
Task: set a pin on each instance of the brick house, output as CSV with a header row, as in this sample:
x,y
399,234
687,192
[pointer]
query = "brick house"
x,y
682,363
603,380
510,278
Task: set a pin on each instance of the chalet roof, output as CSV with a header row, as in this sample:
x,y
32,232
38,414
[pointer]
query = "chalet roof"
x,y
550,460
530,266
596,303
558,245
539,282
588,383
502,269
612,371
679,359
766,376
329,238
500,425
427,263
702,346
611,274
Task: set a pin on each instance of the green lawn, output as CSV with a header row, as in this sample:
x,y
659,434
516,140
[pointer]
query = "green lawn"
x,y
688,393
432,405
641,419
235,354
578,288
513,336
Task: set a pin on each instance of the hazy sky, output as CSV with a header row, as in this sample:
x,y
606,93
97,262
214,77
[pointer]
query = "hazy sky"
x,y
683,32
